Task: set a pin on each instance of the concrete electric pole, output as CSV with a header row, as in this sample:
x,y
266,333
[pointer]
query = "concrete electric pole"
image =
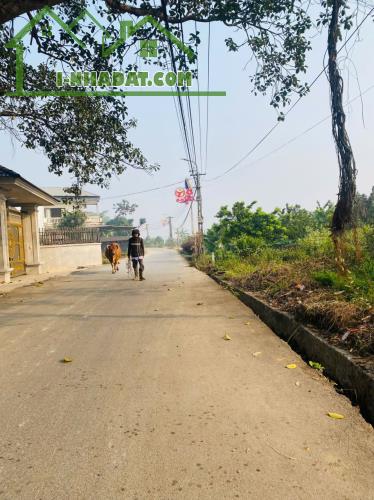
x,y
170,227
194,170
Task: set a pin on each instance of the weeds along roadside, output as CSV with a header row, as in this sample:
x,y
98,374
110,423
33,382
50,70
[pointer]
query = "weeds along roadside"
x,y
302,278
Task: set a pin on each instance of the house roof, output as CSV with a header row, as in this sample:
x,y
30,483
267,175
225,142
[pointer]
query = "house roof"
x,y
6,172
59,192
20,192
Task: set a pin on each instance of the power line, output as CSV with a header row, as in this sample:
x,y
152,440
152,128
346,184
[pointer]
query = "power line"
x,y
180,126
269,132
142,192
207,106
275,150
185,219
180,102
258,144
169,66
198,99
306,131
192,133
194,169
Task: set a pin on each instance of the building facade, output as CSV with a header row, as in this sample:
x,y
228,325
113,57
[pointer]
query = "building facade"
x,y
19,225
50,216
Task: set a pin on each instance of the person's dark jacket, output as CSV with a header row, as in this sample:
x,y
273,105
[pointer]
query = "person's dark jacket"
x,y
135,248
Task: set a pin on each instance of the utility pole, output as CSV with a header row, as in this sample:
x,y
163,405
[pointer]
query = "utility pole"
x,y
199,200
200,219
170,227
192,221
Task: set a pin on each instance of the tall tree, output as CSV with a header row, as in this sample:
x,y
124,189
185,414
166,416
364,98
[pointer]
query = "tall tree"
x,y
347,166
275,33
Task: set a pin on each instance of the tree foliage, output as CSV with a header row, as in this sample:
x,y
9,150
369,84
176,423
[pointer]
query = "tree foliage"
x,y
364,208
120,220
244,228
275,34
75,218
85,136
157,242
299,222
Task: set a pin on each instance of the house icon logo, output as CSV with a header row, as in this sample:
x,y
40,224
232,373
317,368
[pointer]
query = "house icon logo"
x,y
127,29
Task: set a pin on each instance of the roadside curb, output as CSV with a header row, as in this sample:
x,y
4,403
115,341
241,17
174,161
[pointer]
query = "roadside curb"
x,y
356,382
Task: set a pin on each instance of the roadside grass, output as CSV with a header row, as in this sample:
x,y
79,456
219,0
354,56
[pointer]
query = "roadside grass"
x,y
304,281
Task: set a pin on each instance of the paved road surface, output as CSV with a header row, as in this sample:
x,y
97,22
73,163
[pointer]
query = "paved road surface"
x,y
156,405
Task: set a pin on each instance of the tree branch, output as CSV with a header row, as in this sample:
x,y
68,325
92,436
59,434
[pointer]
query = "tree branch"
x,y
157,12
10,9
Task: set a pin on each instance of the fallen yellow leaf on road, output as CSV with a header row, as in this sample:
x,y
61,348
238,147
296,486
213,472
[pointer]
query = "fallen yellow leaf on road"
x,y
337,416
66,360
247,323
292,366
227,337
255,354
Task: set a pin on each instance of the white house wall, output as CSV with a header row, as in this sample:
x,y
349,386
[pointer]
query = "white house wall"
x,y
57,258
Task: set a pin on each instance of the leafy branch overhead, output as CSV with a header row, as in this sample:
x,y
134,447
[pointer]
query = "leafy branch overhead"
x,y
88,137
275,35
84,137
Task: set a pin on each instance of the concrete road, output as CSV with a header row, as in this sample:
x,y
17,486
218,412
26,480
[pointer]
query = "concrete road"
x,y
156,405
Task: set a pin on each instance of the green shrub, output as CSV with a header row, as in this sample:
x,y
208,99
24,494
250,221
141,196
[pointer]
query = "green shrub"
x,y
328,278
245,245
317,244
73,219
368,240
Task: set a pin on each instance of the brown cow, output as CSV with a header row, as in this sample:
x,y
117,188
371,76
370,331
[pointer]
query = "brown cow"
x,y
113,254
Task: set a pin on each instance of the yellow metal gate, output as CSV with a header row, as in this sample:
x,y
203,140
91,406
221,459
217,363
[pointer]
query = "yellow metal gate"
x,y
16,245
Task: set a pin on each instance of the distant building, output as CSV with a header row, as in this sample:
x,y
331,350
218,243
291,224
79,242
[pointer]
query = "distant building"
x,y
50,216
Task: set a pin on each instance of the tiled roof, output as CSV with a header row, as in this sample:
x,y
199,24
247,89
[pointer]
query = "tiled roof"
x,y
59,191
5,172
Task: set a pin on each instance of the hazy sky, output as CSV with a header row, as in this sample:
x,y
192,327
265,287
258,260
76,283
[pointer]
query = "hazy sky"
x,y
302,172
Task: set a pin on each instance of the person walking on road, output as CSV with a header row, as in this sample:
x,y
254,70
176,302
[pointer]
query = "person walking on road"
x,y
135,253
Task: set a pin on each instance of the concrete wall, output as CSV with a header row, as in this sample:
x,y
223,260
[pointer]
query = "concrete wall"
x,y
57,258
